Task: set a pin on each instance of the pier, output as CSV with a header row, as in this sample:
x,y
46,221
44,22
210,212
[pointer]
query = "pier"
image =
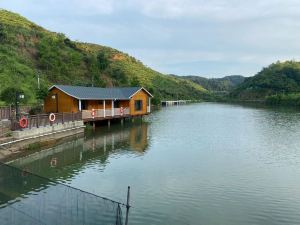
x,y
175,102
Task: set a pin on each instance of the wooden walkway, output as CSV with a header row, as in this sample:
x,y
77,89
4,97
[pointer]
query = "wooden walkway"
x,y
175,102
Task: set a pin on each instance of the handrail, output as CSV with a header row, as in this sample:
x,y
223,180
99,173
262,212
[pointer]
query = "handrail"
x,y
99,113
43,120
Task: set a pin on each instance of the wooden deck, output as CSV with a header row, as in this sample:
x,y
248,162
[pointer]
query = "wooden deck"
x,y
107,114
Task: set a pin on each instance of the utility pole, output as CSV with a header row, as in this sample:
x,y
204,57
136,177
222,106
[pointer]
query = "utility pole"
x,y
17,105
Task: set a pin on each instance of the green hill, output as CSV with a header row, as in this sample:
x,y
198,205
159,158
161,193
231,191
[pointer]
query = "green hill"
x,y
224,84
27,49
278,79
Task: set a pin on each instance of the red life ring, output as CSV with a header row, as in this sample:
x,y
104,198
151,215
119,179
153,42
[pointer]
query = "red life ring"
x,y
93,113
122,111
23,122
52,117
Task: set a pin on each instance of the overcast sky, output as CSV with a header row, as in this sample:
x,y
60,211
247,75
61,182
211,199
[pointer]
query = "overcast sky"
x,y
210,38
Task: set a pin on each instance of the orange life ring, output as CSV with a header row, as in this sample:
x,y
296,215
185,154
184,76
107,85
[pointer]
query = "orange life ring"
x,y
52,117
53,162
23,122
122,111
93,113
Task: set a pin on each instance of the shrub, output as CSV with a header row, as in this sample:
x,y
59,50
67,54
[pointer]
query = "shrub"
x,y
37,109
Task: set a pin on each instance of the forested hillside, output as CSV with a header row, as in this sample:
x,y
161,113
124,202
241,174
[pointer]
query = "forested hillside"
x,y
28,50
224,84
279,82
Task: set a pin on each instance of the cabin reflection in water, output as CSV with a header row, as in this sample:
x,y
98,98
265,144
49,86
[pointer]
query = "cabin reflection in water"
x,y
65,160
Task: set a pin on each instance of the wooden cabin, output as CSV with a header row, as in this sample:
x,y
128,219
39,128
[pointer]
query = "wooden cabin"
x,y
98,103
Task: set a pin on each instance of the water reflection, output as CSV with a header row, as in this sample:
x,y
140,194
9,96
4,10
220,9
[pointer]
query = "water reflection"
x,y
26,198
204,164
29,199
65,160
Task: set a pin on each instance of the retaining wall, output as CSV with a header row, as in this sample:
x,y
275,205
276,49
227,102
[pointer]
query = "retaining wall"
x,y
34,132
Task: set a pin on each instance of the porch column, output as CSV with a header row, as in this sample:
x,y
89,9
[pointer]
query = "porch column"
x,y
112,108
79,105
103,108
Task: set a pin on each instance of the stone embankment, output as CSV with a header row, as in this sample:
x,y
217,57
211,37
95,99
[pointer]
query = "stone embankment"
x,y
20,141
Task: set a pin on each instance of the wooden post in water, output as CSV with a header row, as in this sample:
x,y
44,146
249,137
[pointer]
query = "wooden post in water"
x,y
127,205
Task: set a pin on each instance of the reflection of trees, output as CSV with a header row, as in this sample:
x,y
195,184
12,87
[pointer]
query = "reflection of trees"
x,y
15,183
65,160
29,199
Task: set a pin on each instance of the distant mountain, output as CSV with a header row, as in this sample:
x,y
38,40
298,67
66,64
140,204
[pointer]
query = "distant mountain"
x,y
224,84
280,78
27,50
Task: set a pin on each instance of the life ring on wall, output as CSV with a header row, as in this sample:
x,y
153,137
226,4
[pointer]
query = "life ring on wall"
x,y
122,111
23,122
52,117
93,113
53,162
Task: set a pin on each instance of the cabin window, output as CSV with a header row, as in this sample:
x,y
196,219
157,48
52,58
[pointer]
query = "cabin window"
x,y
138,105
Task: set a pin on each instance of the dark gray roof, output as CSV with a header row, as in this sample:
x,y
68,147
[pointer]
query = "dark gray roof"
x,y
95,93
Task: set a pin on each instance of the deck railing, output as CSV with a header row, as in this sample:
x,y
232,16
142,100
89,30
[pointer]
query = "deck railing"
x,y
101,113
42,120
8,112
5,113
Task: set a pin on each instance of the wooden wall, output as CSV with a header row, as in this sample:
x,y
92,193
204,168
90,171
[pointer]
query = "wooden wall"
x,y
94,104
62,102
98,104
141,95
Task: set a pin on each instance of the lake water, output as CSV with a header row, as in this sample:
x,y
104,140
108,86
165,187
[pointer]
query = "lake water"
x,y
196,164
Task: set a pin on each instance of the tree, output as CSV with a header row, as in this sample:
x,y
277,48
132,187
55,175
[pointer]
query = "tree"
x,y
118,74
42,93
70,43
135,82
103,60
2,33
9,95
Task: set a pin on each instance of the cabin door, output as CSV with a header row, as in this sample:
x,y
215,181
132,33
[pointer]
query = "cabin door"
x,y
84,105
